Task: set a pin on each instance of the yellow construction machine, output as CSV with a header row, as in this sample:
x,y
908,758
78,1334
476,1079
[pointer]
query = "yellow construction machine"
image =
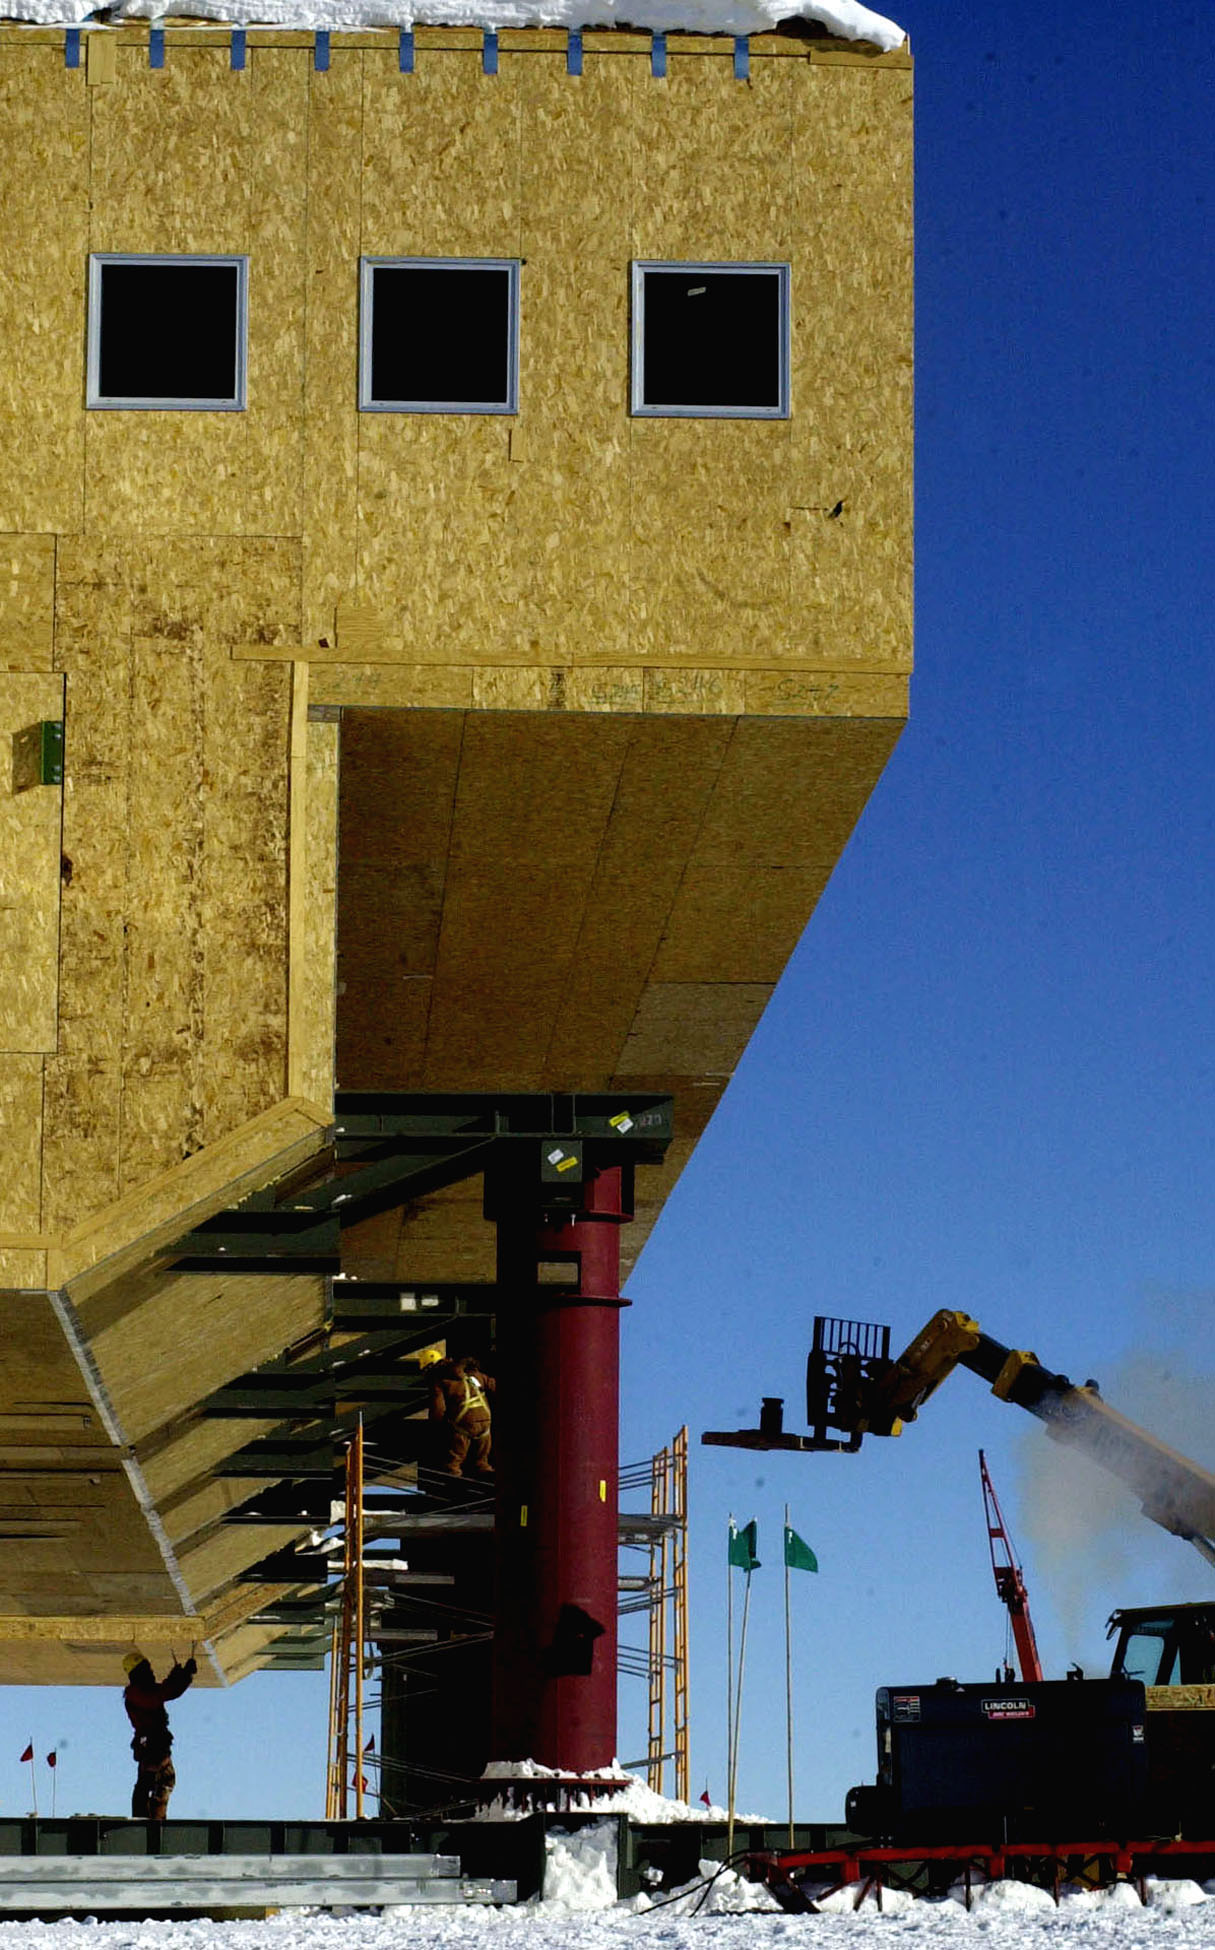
x,y
1162,1678
855,1388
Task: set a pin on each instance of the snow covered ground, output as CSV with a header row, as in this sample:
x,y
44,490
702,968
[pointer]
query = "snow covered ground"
x,y
1006,1917
579,1911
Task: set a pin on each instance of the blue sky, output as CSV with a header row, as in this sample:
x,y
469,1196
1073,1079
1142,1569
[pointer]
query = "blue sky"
x,y
986,1079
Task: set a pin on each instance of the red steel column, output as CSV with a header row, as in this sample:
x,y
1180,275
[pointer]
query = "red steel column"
x,y
556,1448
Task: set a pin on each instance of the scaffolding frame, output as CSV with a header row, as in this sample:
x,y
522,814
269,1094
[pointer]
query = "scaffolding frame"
x,y
663,1595
349,1652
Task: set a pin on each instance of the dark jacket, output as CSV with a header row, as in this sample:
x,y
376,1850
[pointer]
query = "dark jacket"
x,y
144,1699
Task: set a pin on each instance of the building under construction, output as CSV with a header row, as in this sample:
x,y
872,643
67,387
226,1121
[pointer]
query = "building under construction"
x,y
428,743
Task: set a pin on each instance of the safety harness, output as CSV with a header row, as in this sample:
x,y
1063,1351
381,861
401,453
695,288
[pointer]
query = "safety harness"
x,y
474,1397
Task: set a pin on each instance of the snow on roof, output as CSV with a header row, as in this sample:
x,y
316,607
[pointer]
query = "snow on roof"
x,y
847,19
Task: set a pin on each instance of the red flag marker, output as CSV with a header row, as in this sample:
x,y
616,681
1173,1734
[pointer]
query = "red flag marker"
x,y
51,1760
29,1752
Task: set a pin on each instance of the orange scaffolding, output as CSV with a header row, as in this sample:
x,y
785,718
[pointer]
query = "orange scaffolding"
x,y
350,1654
662,1594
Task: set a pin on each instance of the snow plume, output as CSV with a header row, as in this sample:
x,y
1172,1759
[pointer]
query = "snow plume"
x,y
1086,1526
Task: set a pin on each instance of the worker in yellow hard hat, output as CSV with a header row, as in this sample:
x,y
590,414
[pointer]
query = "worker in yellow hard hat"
x,y
144,1698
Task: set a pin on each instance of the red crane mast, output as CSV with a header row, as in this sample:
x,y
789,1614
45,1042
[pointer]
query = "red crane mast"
x,y
1010,1585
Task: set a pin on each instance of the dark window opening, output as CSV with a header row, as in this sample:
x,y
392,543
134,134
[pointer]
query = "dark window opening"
x,y
167,331
439,337
711,340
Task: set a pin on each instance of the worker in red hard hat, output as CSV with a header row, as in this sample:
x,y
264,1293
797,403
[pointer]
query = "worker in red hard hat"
x,y
145,1698
459,1400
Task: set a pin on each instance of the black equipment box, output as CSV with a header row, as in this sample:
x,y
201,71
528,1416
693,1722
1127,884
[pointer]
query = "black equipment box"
x,y
1064,1758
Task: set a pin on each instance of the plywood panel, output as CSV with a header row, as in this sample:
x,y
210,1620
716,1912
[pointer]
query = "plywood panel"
x,y
166,473
85,1541
278,81
448,1230
20,1146
312,1003
27,601
579,159
535,789
614,688
718,160
43,111
189,1335
97,734
503,960
407,686
163,1002
243,939
229,589
232,589
30,824
852,358
158,863
330,510
383,1023
844,694
445,481
791,790
173,165
198,1509
720,593
21,1268
80,1145
441,154
695,693
736,923
92,948
163,997
172,153
179,1460
398,786
637,877
532,803
211,1564
570,596
692,1028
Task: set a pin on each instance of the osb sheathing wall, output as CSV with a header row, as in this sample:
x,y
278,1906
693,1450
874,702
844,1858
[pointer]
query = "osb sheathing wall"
x,y
197,594
570,557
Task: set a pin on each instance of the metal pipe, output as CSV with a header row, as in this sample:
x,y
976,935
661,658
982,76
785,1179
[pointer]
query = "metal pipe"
x,y
557,1462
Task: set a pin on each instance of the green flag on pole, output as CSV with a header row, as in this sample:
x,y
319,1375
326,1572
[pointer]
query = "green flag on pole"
x,y
743,1546
798,1554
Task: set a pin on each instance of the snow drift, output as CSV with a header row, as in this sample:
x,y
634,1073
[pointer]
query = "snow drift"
x,y
847,19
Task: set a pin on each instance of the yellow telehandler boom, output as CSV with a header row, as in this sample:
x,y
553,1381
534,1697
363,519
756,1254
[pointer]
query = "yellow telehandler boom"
x,y
855,1388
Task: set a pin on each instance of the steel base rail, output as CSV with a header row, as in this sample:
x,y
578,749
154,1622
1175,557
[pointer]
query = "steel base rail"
x,y
866,1866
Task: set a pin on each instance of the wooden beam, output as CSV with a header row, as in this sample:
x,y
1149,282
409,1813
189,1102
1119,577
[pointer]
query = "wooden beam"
x,y
371,647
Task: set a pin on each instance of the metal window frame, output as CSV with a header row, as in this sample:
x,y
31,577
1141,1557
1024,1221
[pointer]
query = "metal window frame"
x,y
640,408
368,266
141,403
